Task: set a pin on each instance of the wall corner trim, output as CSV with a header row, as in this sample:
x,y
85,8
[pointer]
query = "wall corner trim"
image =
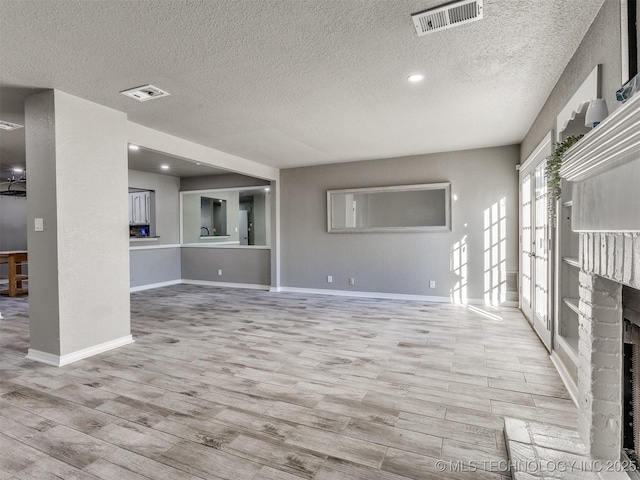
x,y
61,360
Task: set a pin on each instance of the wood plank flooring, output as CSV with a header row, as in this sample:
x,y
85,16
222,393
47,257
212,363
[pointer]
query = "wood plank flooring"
x,y
239,384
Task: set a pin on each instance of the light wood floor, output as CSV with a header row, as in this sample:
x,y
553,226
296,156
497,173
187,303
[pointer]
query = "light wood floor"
x,y
238,384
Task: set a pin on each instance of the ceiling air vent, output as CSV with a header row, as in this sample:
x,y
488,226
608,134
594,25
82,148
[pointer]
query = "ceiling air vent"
x,y
9,126
451,15
144,93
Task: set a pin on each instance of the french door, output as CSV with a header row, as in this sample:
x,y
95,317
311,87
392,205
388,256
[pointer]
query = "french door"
x,y
536,248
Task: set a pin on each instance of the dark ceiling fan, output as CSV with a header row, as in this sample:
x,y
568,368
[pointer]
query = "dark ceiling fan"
x,y
14,186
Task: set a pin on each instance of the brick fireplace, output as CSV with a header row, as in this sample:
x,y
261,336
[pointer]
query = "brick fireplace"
x,y
602,276
605,169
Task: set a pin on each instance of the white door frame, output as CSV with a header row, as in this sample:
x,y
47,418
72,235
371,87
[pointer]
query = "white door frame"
x,y
542,326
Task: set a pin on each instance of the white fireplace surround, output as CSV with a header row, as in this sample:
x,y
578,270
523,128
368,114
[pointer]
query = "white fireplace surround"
x,y
605,168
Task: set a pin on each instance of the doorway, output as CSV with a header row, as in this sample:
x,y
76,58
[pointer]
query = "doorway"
x,y
244,227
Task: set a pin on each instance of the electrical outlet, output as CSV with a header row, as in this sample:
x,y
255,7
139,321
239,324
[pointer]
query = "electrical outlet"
x,y
432,284
329,279
219,271
352,281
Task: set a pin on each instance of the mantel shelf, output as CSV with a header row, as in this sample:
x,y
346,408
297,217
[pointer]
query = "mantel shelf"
x,y
615,141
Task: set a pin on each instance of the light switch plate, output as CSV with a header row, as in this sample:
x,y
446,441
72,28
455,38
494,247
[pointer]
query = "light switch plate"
x,y
38,225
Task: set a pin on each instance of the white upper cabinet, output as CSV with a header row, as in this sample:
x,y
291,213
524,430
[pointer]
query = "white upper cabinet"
x,y
139,208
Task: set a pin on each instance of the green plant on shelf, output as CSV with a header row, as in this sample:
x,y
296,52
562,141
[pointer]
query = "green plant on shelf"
x,y
552,173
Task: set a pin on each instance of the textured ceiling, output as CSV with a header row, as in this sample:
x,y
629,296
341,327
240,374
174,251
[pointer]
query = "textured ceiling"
x,y
295,82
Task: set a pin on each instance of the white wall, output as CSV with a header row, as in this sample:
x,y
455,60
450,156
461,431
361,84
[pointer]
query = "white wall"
x,y
77,163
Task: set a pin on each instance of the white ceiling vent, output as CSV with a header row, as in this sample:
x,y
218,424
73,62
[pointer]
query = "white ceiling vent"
x,y
451,15
9,126
144,93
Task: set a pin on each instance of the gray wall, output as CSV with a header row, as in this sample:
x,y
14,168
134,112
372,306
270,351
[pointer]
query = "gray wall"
x,y
601,45
167,200
40,145
13,226
261,219
154,266
230,180
404,262
239,265
13,223
149,261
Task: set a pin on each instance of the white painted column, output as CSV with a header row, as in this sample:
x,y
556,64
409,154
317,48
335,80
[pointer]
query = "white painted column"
x,y
79,264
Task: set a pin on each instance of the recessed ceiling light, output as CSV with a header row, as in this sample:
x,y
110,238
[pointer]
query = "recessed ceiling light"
x,y
415,77
134,147
9,126
145,92
164,167
267,189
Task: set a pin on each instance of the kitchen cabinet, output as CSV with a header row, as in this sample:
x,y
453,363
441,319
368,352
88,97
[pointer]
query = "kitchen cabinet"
x,y
139,208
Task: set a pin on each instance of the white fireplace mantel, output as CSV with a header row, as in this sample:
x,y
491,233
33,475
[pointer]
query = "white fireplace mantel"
x,y
612,143
604,167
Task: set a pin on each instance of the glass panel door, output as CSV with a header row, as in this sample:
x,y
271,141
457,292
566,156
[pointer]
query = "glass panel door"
x,y
526,276
535,252
541,258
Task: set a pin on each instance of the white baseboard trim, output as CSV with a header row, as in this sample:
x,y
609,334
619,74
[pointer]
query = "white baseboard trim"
x,y
149,286
359,294
565,377
250,286
61,360
381,295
